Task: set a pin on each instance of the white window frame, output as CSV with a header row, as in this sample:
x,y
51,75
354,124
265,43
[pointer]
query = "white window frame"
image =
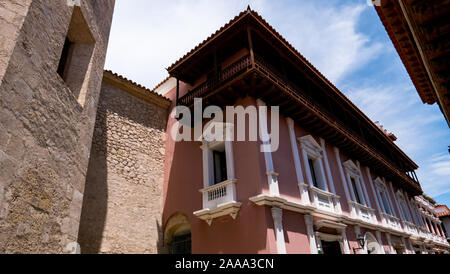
x,y
352,172
404,207
208,159
381,187
312,150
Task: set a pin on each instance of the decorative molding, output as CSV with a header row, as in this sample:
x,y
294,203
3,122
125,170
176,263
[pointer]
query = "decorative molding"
x,y
277,215
231,208
352,168
272,176
330,224
309,221
311,146
380,241
328,237
341,171
297,163
216,186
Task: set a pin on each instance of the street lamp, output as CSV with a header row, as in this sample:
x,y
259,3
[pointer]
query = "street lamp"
x,y
361,241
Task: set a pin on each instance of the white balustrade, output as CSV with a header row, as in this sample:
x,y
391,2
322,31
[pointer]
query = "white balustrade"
x,y
219,194
323,199
364,213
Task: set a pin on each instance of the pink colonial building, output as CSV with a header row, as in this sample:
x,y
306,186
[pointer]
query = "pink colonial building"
x,y
336,184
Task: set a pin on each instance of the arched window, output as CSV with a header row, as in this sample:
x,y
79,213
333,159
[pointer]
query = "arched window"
x,y
177,234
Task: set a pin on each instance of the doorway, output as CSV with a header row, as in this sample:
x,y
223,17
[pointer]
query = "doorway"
x,y
331,248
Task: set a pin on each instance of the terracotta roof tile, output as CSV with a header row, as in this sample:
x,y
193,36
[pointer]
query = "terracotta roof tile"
x,y
144,91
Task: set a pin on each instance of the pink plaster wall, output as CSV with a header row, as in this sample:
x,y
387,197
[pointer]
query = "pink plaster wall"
x,y
295,234
183,180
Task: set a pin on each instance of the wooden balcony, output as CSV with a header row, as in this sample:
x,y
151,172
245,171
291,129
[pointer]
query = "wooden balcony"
x,y
263,80
209,87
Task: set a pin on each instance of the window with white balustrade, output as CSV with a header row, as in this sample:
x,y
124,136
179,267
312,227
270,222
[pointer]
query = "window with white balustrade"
x,y
219,183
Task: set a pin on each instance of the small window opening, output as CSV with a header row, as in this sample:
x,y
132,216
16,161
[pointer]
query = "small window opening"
x,y
313,172
74,65
220,166
355,190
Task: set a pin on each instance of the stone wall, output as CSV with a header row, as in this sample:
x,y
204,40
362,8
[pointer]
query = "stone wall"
x,y
12,16
45,133
123,197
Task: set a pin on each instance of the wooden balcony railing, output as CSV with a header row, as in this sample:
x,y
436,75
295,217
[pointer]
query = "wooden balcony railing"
x,y
229,73
244,64
277,77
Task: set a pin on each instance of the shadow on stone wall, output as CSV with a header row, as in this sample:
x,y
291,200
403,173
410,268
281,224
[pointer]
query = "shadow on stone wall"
x,y
95,201
123,190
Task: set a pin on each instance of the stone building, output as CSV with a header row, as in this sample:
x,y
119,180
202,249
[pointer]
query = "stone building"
x,y
123,194
52,55
86,166
336,184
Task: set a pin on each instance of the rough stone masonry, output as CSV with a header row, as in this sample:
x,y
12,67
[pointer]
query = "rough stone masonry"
x,y
46,118
123,196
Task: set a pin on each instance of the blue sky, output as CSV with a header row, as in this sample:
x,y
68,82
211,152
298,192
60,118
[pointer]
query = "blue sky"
x,y
344,39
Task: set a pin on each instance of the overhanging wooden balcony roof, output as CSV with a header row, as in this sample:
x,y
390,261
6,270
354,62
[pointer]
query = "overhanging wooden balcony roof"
x,y
420,32
261,80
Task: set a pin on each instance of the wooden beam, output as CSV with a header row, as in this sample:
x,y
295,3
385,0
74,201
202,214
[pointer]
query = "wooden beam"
x,y
250,45
178,92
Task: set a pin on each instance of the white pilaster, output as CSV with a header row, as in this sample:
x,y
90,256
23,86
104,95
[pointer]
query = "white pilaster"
x,y
345,241
330,178
298,167
407,250
207,156
309,220
411,248
380,241
229,159
344,180
272,176
277,215
391,247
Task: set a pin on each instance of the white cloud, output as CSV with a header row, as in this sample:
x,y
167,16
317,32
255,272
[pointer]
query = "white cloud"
x,y
148,36
419,128
325,34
